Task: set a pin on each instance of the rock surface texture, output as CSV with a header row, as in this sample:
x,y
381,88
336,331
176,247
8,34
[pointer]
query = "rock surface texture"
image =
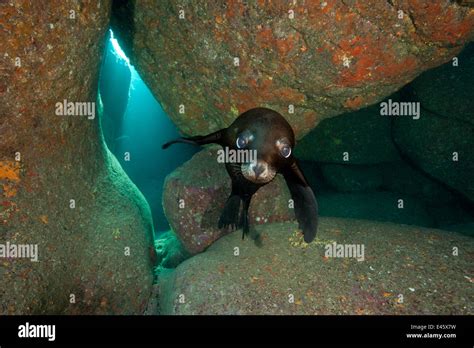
x,y
441,142
448,90
440,146
206,62
359,137
406,270
59,187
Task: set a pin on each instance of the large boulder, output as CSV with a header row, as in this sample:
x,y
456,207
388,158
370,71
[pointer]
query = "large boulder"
x,y
444,205
208,62
61,190
405,179
405,270
170,251
378,206
348,178
396,176
467,228
440,146
449,90
360,137
452,214
195,193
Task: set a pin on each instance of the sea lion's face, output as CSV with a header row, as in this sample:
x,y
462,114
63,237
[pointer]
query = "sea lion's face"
x,y
272,150
258,172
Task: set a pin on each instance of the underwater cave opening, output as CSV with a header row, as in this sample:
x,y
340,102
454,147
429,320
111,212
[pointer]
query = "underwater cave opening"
x,y
135,126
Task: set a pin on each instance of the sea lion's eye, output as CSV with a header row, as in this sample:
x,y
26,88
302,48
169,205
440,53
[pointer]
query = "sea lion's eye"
x,y
284,147
244,139
285,151
241,142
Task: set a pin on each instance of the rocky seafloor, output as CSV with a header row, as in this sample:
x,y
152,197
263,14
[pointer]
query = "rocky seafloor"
x,y
405,270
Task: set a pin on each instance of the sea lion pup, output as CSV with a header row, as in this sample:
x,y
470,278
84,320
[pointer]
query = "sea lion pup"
x,y
272,138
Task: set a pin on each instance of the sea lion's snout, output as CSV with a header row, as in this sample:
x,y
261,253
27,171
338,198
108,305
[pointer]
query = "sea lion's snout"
x,y
258,172
259,169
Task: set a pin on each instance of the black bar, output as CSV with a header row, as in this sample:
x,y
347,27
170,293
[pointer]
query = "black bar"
x,y
261,330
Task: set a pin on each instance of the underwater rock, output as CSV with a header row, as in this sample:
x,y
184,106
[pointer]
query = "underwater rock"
x,y
403,178
441,147
378,206
314,176
287,276
207,63
195,193
361,137
170,251
449,214
449,90
348,178
467,229
61,190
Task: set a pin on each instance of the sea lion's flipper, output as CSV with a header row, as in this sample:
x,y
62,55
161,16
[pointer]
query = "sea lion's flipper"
x,y
244,218
306,206
215,137
230,213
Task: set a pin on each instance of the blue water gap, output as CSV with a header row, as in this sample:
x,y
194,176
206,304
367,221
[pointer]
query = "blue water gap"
x,y
135,122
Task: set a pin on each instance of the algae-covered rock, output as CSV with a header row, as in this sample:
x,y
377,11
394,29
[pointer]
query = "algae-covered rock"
x,y
195,193
404,270
60,188
440,146
220,58
360,137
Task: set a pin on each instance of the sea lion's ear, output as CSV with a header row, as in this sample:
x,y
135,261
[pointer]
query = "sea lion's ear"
x,y
215,137
306,206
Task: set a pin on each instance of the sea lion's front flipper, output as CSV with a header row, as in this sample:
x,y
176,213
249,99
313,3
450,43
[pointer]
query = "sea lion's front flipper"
x,y
230,214
306,206
244,217
215,137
